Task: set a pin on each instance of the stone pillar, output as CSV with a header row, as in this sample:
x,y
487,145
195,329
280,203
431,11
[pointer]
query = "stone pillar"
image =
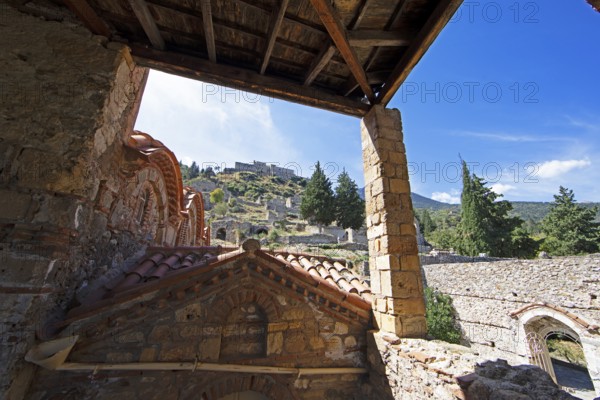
x,y
398,304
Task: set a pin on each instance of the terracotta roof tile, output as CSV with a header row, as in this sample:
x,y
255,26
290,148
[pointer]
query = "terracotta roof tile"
x,y
166,266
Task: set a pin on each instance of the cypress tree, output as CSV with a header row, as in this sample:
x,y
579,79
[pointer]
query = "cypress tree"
x,y
317,204
349,207
485,226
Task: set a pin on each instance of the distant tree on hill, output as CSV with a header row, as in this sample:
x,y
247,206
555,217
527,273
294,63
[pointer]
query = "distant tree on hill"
x,y
569,227
485,225
194,170
318,201
217,196
427,224
349,207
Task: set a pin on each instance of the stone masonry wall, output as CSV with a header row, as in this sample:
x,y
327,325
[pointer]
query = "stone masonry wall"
x,y
484,294
247,323
415,369
67,99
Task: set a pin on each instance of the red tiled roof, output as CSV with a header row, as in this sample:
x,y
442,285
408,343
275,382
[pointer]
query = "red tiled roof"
x,y
310,276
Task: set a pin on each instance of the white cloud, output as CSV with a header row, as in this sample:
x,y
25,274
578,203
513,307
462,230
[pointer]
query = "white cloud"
x,y
210,124
445,197
507,137
502,188
556,168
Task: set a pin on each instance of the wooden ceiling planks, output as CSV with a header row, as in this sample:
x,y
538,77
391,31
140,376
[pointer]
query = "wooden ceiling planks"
x,y
326,46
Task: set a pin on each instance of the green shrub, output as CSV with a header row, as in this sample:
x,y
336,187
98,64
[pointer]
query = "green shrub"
x,y
440,313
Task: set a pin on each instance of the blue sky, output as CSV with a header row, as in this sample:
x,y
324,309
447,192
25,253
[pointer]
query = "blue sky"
x,y
511,87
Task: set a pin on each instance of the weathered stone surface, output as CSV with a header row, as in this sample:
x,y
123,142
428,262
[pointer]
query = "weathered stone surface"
x,y
416,369
394,264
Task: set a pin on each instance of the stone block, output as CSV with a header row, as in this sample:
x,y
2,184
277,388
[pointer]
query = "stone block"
x,y
14,205
119,357
381,304
400,284
375,281
294,342
177,352
161,334
130,337
191,312
410,263
391,323
340,328
274,343
413,327
387,262
148,354
412,306
399,185
209,348
277,326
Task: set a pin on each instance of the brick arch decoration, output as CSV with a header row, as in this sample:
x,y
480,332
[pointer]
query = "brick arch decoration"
x,y
191,232
158,154
235,298
150,182
267,385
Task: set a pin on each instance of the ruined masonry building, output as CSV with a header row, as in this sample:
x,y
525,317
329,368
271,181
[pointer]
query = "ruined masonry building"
x,y
110,286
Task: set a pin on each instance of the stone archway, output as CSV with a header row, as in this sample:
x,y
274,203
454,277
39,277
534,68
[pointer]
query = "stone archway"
x,y
221,234
538,322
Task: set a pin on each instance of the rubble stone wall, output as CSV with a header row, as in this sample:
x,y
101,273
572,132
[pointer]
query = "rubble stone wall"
x,y
415,369
484,294
565,291
67,100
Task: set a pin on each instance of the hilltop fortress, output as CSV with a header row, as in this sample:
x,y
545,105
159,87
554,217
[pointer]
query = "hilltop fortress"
x,y
262,168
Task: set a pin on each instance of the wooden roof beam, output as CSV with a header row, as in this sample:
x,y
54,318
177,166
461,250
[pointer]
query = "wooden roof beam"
x,y
243,79
276,21
319,63
328,51
140,8
352,84
338,34
432,28
371,38
209,31
88,16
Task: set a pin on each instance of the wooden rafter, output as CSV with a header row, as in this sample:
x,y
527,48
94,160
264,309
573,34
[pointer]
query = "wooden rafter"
x,y
244,79
434,25
327,52
276,21
371,38
352,84
209,31
88,16
319,63
338,35
140,8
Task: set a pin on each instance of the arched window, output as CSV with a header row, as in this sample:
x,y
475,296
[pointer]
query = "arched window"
x,y
142,207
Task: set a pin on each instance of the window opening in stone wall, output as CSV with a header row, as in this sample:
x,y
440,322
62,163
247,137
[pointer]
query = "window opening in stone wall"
x,y
245,333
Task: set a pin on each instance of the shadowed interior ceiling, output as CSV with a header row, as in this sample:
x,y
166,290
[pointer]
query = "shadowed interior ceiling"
x,y
340,55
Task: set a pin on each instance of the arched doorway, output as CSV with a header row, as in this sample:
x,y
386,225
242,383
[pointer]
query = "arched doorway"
x,y
247,395
221,234
262,231
563,345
